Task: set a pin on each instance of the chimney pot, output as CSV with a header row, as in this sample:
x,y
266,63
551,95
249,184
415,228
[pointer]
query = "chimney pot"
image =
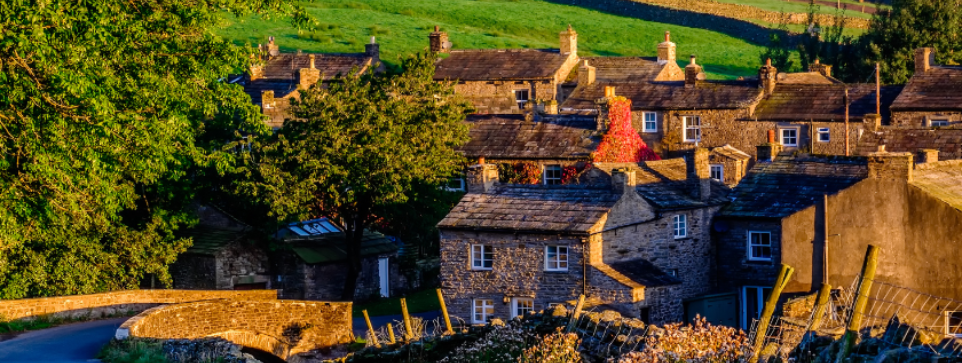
x,y
312,61
771,136
693,60
610,92
481,160
666,50
667,36
437,28
768,62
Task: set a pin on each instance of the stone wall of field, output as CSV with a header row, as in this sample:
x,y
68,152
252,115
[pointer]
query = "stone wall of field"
x,y
117,302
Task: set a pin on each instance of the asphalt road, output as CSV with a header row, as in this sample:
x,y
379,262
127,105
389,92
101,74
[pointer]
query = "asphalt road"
x,y
71,343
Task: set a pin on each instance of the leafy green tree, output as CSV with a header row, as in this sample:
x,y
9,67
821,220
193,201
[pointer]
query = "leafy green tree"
x,y
828,44
359,146
110,112
895,34
778,49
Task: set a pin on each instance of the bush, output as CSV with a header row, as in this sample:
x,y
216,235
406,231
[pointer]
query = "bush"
x,y
699,343
555,348
133,350
504,344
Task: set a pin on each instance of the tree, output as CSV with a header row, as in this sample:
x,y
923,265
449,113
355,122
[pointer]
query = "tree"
x,y
894,35
105,113
361,145
778,50
828,44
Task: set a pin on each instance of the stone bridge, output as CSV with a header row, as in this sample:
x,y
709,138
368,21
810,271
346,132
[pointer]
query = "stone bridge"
x,y
281,327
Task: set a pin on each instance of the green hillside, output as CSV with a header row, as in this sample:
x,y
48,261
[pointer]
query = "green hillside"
x,y
402,27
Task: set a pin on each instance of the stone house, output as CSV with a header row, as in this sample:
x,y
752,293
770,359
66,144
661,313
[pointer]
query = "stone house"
x,y
275,77
931,99
728,165
310,263
503,81
926,143
633,237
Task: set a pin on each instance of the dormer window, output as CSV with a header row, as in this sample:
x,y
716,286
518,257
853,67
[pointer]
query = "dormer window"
x,y
521,96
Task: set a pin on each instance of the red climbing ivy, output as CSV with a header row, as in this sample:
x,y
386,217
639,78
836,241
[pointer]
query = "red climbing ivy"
x,y
525,172
621,143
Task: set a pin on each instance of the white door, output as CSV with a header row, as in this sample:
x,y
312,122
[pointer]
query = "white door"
x,y
382,272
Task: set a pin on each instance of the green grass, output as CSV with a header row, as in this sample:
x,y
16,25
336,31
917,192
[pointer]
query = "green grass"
x,y
418,302
797,7
402,27
133,350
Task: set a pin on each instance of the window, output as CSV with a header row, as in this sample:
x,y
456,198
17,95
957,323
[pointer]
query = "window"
x,y
651,122
680,225
753,301
938,122
717,172
673,272
521,96
483,309
823,135
692,128
953,323
552,174
521,306
759,246
455,184
481,257
556,258
790,137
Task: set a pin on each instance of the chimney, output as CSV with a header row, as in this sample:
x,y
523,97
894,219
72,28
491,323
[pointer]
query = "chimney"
x,y
309,76
271,48
610,92
693,73
886,165
768,151
439,41
924,60
267,100
481,177
569,42
698,178
818,67
666,50
586,74
551,107
255,72
928,156
872,121
766,77
623,180
373,50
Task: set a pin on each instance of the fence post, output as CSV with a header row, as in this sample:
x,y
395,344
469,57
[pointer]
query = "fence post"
x,y
370,328
783,276
820,305
444,312
408,332
861,300
576,314
390,332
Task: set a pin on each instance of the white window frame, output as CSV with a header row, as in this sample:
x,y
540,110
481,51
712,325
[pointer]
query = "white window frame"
x,y
781,136
948,327
555,265
516,309
486,310
481,254
553,167
942,122
746,320
653,122
748,242
679,223
522,101
824,131
460,179
721,172
696,126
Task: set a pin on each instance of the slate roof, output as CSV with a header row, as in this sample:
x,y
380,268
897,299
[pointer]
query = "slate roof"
x,y
940,88
805,78
645,273
280,73
549,137
663,183
822,102
942,180
947,141
625,69
730,152
210,239
329,247
566,208
791,183
670,95
499,65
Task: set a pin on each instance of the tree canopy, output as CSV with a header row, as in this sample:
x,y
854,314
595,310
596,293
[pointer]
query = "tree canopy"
x,y
910,24
110,111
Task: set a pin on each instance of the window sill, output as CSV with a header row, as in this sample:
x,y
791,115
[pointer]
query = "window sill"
x,y
758,262
480,269
556,271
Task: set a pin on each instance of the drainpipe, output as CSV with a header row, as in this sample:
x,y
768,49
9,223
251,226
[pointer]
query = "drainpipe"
x,y
584,267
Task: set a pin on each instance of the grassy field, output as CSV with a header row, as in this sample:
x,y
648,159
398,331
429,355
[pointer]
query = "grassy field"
x,y
797,7
402,27
418,302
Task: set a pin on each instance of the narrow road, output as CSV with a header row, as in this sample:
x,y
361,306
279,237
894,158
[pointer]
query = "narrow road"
x,y
71,343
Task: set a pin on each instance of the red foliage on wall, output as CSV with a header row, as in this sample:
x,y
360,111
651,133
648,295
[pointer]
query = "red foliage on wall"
x,y
621,143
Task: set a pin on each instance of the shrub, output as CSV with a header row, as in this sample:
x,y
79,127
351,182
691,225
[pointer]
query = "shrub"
x,y
555,348
504,344
699,343
133,350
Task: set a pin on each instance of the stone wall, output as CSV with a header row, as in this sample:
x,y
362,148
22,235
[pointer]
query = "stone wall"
x,y
117,301
194,271
920,119
242,264
731,251
326,281
282,327
737,11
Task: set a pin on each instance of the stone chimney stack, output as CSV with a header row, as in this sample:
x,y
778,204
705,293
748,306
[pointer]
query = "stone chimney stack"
x,y
569,42
551,107
309,76
623,180
481,177
439,41
872,121
666,50
768,151
586,74
255,72
818,67
698,176
267,100
928,156
924,60
271,49
767,77
693,73
373,50
886,165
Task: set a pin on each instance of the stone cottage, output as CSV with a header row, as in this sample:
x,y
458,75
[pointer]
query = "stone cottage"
x,y
931,99
503,81
633,237
226,255
926,143
275,77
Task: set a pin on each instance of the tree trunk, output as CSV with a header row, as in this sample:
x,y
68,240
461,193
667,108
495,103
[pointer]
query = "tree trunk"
x,y
354,232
